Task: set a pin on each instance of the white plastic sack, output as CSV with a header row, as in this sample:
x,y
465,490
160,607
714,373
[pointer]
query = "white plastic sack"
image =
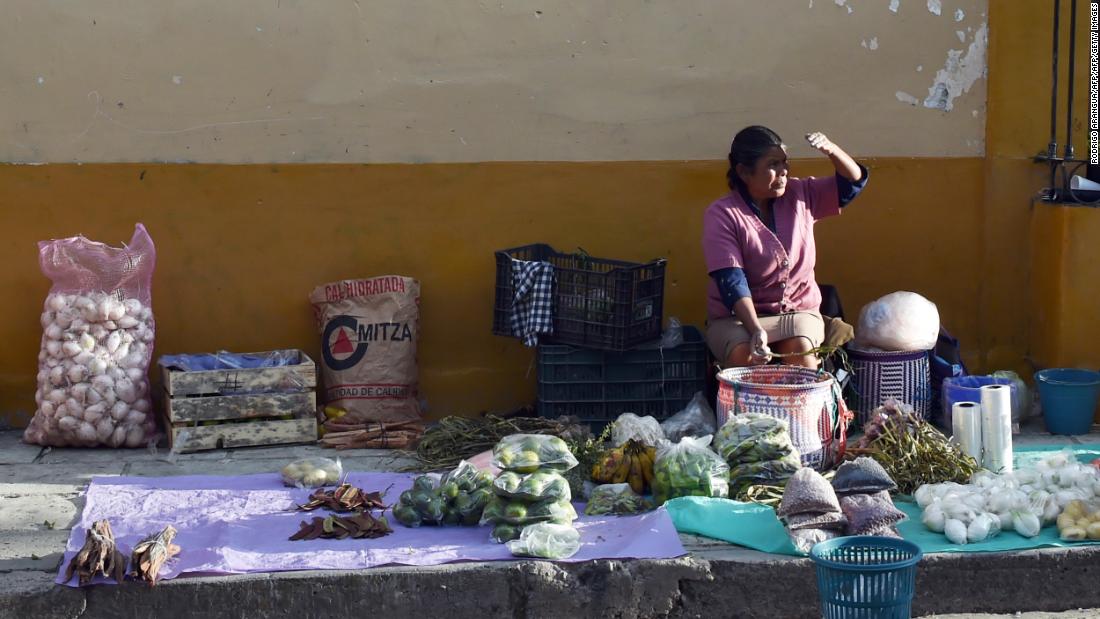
x,y
697,419
1021,397
899,321
645,430
546,540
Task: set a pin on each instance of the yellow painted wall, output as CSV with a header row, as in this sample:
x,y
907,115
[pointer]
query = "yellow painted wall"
x,y
1023,320
1066,294
240,247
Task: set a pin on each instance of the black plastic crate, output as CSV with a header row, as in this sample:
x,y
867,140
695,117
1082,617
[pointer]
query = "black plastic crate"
x,y
598,303
598,386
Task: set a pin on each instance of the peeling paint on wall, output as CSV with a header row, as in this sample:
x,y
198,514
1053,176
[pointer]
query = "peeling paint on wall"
x,y
871,45
894,5
959,15
934,7
959,73
905,97
961,35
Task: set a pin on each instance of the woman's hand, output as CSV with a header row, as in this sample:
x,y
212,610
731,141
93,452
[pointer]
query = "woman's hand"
x,y
844,164
821,143
761,354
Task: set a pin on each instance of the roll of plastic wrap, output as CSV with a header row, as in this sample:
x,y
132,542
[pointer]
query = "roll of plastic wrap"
x,y
997,428
966,428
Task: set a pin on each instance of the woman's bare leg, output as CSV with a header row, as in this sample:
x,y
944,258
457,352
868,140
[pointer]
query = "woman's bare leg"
x,y
796,345
741,356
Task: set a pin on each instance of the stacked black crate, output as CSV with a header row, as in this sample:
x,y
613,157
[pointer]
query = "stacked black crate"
x,y
605,355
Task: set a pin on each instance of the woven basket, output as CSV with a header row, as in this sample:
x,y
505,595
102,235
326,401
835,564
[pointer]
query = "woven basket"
x,y
879,376
808,400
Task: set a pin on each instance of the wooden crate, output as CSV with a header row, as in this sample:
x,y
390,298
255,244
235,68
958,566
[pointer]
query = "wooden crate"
x,y
217,409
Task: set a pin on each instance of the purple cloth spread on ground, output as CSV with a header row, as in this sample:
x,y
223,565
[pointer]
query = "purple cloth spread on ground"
x,y
240,524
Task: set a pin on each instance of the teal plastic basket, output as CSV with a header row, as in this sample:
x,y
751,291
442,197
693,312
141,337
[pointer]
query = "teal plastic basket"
x,y
866,577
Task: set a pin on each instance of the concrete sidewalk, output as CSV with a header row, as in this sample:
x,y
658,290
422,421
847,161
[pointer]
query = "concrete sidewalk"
x,y
40,501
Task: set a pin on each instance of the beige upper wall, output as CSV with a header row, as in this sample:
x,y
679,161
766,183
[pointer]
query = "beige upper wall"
x,y
459,80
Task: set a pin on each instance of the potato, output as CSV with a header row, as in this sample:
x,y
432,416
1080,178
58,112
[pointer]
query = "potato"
x,y
1075,509
315,478
1093,531
1074,534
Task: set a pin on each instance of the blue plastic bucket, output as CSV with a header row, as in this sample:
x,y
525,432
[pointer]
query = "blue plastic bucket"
x,y
969,389
866,577
1069,399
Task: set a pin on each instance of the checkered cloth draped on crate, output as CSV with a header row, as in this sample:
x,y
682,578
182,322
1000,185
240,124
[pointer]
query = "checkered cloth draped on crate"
x,y
532,302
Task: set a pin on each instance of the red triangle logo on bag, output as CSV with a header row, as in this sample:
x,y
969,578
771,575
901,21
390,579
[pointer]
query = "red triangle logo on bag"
x,y
342,345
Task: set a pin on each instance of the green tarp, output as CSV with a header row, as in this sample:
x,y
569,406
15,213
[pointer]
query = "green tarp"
x,y
757,527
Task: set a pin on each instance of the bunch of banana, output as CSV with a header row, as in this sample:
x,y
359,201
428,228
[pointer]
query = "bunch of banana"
x,y
631,462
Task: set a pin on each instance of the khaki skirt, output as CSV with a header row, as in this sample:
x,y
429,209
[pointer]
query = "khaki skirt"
x,y
724,334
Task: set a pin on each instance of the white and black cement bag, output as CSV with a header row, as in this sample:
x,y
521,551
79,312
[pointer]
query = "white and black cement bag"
x,y
369,331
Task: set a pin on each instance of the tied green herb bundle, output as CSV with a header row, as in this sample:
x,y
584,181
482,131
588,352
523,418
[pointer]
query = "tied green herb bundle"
x,y
911,450
455,439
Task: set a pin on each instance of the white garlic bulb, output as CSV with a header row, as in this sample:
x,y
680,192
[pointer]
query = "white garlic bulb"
x,y
103,430
135,436
85,433
71,349
56,302
77,373
119,411
97,366
94,413
126,390
114,340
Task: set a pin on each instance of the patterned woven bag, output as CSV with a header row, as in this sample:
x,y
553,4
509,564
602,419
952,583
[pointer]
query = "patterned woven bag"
x,y
809,400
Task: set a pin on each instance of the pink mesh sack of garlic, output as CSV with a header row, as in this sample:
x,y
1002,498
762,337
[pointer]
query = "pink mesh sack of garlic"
x,y
97,342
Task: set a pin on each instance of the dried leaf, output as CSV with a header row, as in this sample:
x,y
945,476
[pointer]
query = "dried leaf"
x,y
363,525
344,498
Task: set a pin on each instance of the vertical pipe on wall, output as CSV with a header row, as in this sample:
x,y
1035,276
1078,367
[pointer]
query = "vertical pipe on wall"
x,y
1052,148
1072,78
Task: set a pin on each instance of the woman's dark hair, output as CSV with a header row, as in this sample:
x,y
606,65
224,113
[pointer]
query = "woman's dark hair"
x,y
749,145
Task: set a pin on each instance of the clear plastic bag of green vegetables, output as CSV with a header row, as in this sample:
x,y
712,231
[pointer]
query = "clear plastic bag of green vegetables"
x,y
689,468
527,453
547,541
617,499
467,477
752,437
519,512
458,498
758,449
537,486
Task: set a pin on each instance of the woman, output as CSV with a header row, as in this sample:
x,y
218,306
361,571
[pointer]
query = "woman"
x,y
758,244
